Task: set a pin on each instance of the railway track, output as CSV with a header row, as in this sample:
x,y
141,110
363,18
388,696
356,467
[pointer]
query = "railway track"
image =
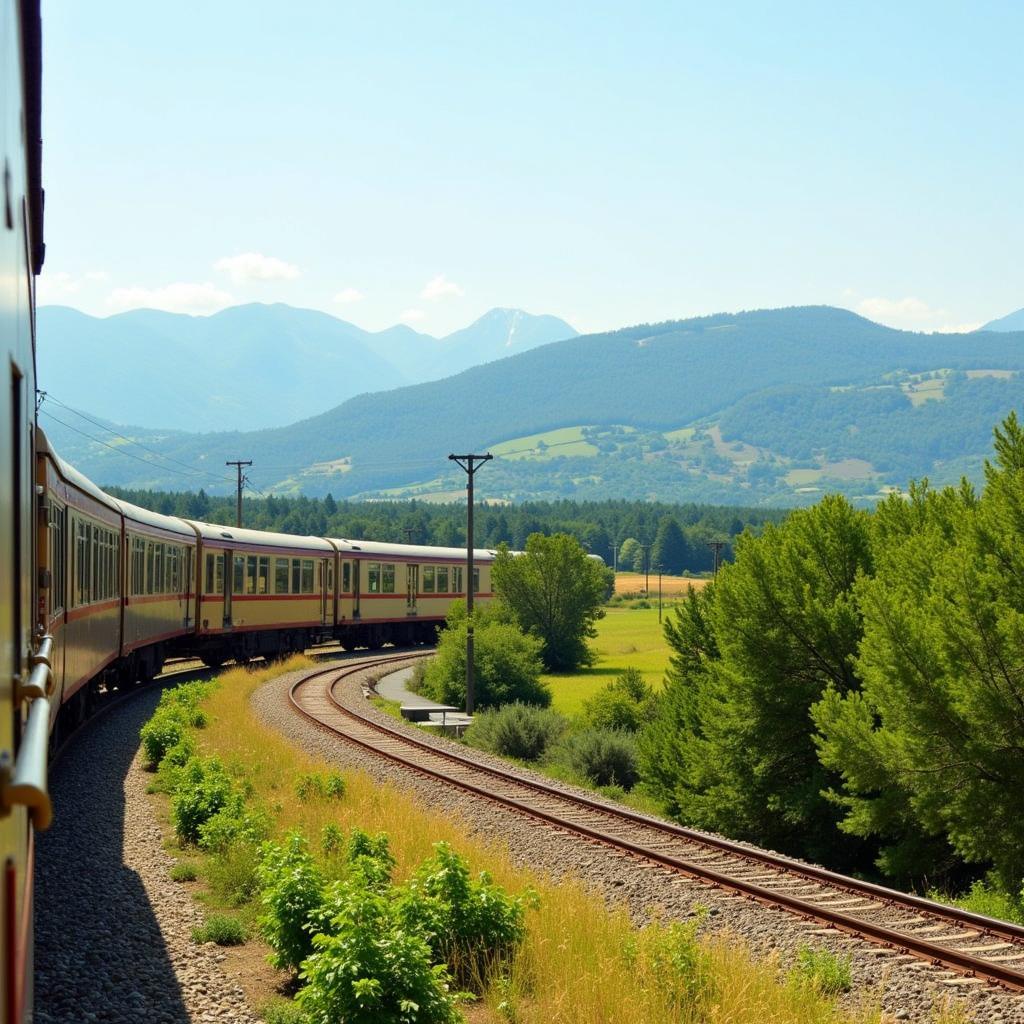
x,y
969,945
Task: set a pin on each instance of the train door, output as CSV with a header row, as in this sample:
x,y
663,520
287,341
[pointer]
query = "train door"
x,y
228,587
412,584
187,582
326,586
355,589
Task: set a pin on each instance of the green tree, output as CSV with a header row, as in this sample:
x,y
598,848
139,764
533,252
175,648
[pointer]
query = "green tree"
x,y
731,747
506,662
628,552
671,552
932,750
555,591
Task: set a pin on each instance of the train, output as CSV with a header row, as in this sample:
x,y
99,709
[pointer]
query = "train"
x,y
98,593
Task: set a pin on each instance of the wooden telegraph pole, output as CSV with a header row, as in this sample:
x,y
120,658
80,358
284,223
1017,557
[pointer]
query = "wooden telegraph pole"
x,y
470,463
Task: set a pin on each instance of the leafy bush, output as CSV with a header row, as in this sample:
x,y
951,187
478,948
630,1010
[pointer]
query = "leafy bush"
x,y
822,971
626,703
331,838
292,891
605,756
370,858
318,785
219,928
164,730
284,1011
185,871
986,897
474,926
369,967
516,730
675,958
506,661
203,789
233,824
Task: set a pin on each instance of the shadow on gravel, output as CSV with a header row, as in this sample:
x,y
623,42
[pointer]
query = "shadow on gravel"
x,y
100,955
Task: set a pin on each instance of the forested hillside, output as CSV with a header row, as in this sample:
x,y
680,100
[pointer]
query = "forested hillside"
x,y
771,406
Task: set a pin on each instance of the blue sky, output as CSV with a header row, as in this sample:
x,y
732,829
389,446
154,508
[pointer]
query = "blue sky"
x,y
608,163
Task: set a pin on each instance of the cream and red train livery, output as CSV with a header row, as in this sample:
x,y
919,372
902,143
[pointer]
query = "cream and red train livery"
x,y
121,589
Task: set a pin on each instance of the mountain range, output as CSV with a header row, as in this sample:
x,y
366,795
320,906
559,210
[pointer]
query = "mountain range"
x,y
769,406
254,366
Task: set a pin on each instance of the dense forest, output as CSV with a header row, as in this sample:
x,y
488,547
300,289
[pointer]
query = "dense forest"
x,y
597,525
850,688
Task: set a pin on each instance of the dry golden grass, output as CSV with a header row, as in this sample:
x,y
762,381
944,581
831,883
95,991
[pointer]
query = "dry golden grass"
x,y
671,586
573,968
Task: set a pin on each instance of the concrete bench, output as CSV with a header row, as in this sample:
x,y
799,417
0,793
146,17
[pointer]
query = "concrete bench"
x,y
422,712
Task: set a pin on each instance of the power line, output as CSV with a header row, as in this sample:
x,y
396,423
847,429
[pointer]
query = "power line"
x,y
238,464
46,396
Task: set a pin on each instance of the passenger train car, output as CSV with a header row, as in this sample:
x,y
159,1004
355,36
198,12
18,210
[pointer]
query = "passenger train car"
x,y
25,679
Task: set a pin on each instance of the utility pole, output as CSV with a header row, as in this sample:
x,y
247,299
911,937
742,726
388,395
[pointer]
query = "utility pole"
x,y
238,464
716,546
470,464
659,593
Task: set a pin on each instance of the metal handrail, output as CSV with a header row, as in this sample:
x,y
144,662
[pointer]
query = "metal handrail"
x,y
27,785
40,678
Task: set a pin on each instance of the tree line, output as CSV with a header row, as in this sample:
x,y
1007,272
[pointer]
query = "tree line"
x,y
851,689
601,527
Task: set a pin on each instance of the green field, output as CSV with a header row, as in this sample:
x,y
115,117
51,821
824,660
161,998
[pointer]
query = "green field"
x,y
627,637
552,444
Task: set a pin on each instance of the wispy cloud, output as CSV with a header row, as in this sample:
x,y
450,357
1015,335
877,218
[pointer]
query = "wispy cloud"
x,y
412,316
60,286
440,288
348,295
911,314
181,297
254,266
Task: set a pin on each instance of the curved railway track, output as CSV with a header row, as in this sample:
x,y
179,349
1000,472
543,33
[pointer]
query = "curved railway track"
x,y
970,945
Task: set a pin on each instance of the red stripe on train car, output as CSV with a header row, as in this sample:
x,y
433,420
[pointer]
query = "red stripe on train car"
x,y
93,609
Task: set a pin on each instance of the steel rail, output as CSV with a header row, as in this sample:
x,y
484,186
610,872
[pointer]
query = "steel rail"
x,y
960,962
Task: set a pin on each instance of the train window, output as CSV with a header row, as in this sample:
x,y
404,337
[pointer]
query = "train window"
x,y
296,575
159,562
82,535
457,579
388,579
250,574
280,575
346,577
307,576
138,566
238,575
173,569
373,578
442,579
427,575
476,580
263,575
96,587
58,557
213,579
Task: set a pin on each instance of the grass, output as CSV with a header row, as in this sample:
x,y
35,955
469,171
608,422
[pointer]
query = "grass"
x,y
582,962
671,586
222,929
186,871
822,971
626,637
557,443
985,899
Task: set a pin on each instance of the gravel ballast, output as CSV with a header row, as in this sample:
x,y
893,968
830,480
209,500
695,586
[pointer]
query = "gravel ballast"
x,y
113,932
905,987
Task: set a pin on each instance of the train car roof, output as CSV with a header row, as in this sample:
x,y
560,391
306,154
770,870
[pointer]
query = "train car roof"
x,y
72,476
155,519
423,552
223,536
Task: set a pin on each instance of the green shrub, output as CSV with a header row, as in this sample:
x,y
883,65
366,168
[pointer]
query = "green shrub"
x,y
605,756
203,788
332,838
516,730
184,871
163,731
986,897
368,967
506,661
681,966
822,971
291,891
233,824
370,858
219,928
317,785
626,703
473,926
232,873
